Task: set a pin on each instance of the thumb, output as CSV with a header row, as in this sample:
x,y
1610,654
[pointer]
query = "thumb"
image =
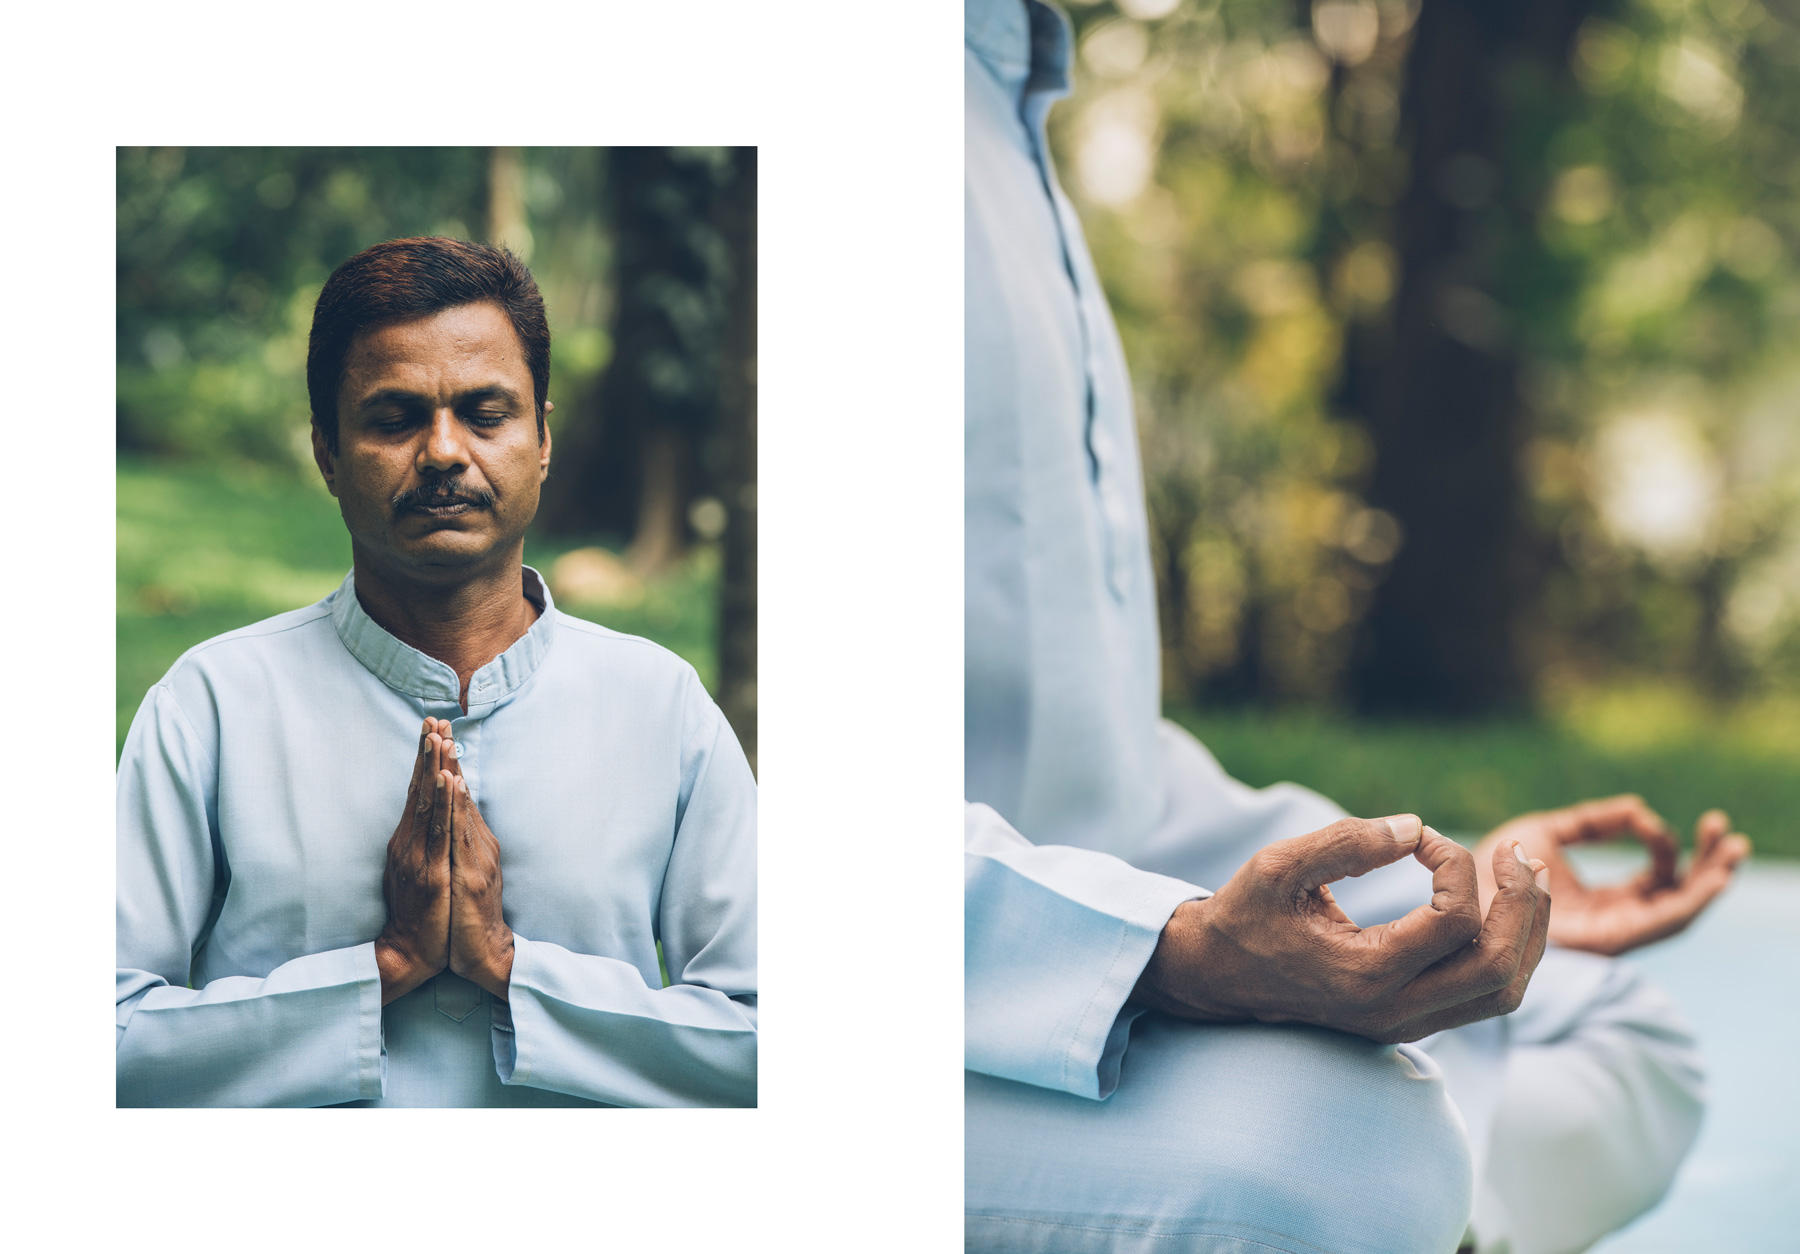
x,y
1347,847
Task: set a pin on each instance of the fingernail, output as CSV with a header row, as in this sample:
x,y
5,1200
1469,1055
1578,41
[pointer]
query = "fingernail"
x,y
1404,828
1432,831
1519,853
1542,879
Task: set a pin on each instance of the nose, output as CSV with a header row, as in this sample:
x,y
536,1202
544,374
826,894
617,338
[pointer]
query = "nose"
x,y
444,451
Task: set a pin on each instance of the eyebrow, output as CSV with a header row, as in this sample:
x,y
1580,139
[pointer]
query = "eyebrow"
x,y
400,396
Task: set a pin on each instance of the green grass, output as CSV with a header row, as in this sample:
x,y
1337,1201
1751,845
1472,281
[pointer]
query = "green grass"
x,y
203,550
1467,778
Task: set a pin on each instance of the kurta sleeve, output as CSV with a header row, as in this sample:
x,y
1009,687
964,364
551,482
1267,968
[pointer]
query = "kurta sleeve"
x,y
1054,939
306,1034
592,1026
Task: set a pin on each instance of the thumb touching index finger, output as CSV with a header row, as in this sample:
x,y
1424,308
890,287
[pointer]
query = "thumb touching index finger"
x,y
1348,847
1451,919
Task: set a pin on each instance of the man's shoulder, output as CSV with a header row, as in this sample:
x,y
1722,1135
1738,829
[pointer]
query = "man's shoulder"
x,y
618,650
255,640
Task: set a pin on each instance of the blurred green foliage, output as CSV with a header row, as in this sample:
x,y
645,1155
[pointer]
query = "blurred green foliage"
x,y
222,252
204,549
221,255
1468,778
1236,164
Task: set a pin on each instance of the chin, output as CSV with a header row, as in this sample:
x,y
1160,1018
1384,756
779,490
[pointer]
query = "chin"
x,y
449,551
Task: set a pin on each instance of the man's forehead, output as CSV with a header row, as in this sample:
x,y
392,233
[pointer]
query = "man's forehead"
x,y
468,344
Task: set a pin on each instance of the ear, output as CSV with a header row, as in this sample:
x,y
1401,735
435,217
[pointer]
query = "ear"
x,y
325,458
544,450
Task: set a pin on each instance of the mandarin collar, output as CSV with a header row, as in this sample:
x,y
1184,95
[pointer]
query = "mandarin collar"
x,y
1024,43
418,675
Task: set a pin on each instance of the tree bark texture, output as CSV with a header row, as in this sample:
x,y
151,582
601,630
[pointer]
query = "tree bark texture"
x,y
1440,390
633,464
737,417
508,225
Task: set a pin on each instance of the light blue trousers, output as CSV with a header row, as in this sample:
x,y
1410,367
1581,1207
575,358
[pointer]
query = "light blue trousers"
x,y
1237,1139
1544,1131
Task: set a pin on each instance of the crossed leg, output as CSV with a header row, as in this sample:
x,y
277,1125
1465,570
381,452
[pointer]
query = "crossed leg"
x,y
1223,1140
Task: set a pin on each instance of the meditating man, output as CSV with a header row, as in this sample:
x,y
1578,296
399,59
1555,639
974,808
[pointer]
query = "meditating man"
x,y
416,845
1329,1068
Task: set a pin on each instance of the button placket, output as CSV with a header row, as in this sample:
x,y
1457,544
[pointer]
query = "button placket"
x,y
466,731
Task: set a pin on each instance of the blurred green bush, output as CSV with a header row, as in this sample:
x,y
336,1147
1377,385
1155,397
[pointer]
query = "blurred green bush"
x,y
1467,778
222,252
1631,244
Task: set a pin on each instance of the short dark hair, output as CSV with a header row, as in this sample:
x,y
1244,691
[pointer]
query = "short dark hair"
x,y
410,278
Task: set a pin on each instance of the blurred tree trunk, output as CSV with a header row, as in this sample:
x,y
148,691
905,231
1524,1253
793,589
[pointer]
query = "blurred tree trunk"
x,y
737,416
632,465
508,227
1441,395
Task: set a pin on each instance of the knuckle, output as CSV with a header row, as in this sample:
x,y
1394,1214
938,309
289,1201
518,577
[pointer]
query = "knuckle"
x,y
1463,920
1499,965
1270,863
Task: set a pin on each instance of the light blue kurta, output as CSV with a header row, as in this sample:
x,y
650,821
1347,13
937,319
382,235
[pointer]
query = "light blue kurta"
x,y
1060,678
1090,820
259,785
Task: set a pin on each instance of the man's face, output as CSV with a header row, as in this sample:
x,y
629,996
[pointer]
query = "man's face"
x,y
438,464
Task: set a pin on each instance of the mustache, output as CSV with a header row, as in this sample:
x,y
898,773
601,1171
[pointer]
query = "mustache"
x,y
447,492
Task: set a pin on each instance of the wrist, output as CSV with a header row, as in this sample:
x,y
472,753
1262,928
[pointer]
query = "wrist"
x,y
494,971
1176,979
401,970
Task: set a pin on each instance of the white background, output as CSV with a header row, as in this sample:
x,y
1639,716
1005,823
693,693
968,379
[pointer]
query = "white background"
x,y
856,109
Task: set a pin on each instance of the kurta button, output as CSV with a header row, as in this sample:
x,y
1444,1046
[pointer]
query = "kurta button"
x,y
459,748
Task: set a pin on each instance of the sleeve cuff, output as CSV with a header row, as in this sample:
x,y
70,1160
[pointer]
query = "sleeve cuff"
x,y
1099,1045
1055,939
595,1027
307,1034
371,1039
506,1040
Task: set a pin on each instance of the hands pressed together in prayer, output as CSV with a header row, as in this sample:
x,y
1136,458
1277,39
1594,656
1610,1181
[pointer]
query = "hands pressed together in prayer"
x,y
1272,945
442,882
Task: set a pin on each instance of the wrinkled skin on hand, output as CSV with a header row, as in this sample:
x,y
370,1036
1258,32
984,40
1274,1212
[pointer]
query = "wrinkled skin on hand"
x,y
481,944
442,882
415,943
1273,946
1615,918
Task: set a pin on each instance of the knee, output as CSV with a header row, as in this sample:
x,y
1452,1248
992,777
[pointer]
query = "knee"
x,y
1593,1124
1347,1145
1289,1137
